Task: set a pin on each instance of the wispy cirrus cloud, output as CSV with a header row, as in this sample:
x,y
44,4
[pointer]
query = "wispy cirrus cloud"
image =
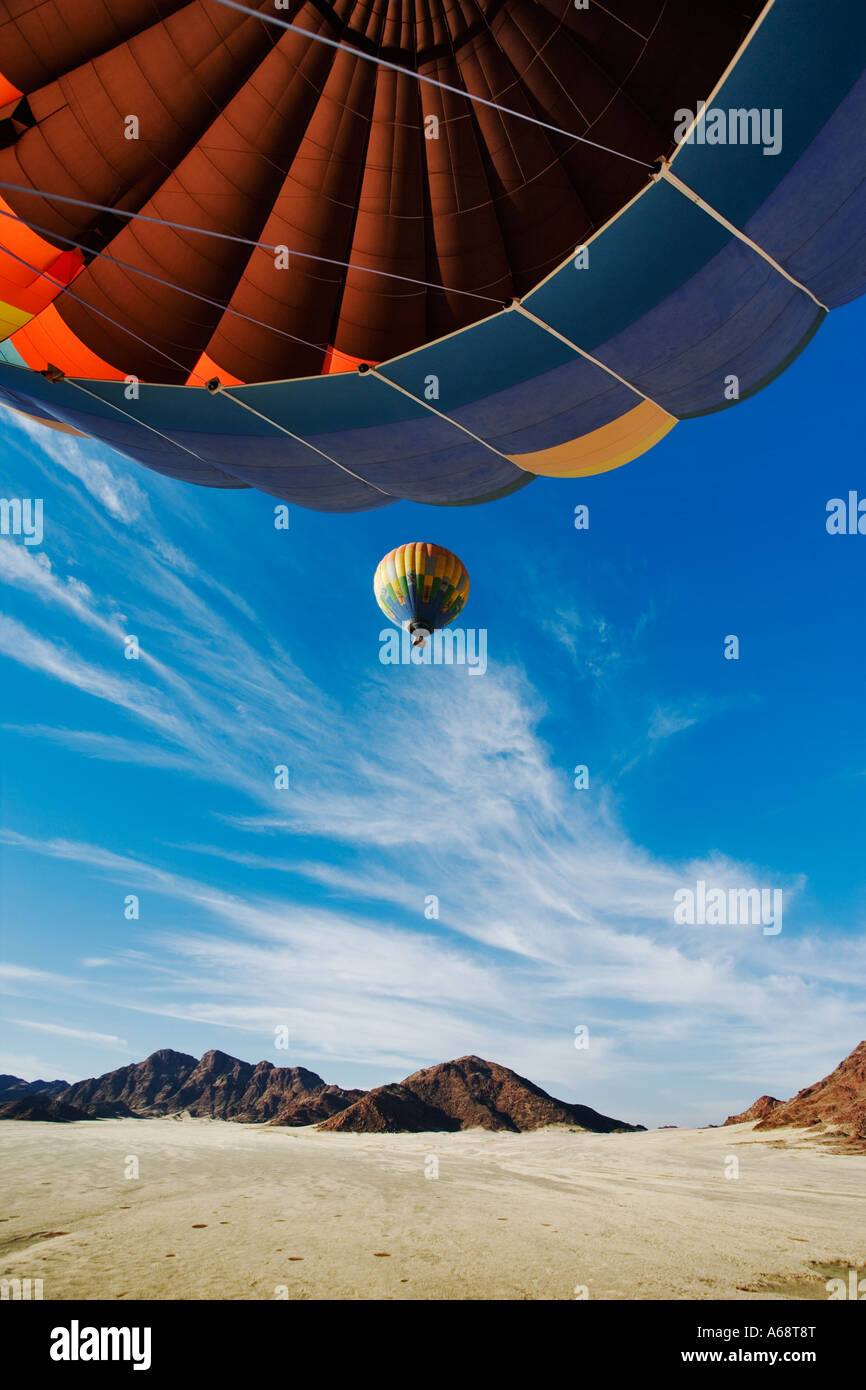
x,y
87,1035
119,494
117,498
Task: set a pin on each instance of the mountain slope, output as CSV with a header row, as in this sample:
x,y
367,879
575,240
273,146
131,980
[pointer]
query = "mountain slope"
x,y
143,1086
391,1109
763,1106
45,1106
308,1107
14,1088
465,1093
838,1100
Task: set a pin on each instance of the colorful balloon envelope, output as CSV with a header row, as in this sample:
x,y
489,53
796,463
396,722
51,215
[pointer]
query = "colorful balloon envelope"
x,y
421,586
392,290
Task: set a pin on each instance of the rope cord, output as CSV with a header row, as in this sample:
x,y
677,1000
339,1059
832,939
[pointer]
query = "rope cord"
x,y
422,77
241,240
169,284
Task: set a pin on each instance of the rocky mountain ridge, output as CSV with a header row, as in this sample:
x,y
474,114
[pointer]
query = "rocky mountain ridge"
x,y
13,1088
461,1094
836,1104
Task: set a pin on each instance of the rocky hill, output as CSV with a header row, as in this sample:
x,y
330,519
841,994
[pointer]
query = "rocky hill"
x,y
463,1094
453,1095
762,1107
837,1102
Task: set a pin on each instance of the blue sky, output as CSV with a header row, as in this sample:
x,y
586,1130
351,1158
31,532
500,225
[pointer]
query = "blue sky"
x,y
304,908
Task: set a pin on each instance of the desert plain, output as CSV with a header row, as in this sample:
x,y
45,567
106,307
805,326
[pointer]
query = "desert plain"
x,y
221,1210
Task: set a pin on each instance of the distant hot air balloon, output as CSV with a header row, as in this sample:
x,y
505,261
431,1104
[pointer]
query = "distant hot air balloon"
x,y
422,586
418,250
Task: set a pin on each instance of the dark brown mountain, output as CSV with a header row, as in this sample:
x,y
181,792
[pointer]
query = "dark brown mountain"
x,y
226,1089
14,1088
218,1086
837,1102
146,1087
463,1094
762,1107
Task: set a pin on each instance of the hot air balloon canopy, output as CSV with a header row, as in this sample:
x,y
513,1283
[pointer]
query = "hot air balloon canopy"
x,y
416,248
421,586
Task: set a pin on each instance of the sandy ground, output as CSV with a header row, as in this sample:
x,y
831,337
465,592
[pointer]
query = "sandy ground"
x,y
229,1211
